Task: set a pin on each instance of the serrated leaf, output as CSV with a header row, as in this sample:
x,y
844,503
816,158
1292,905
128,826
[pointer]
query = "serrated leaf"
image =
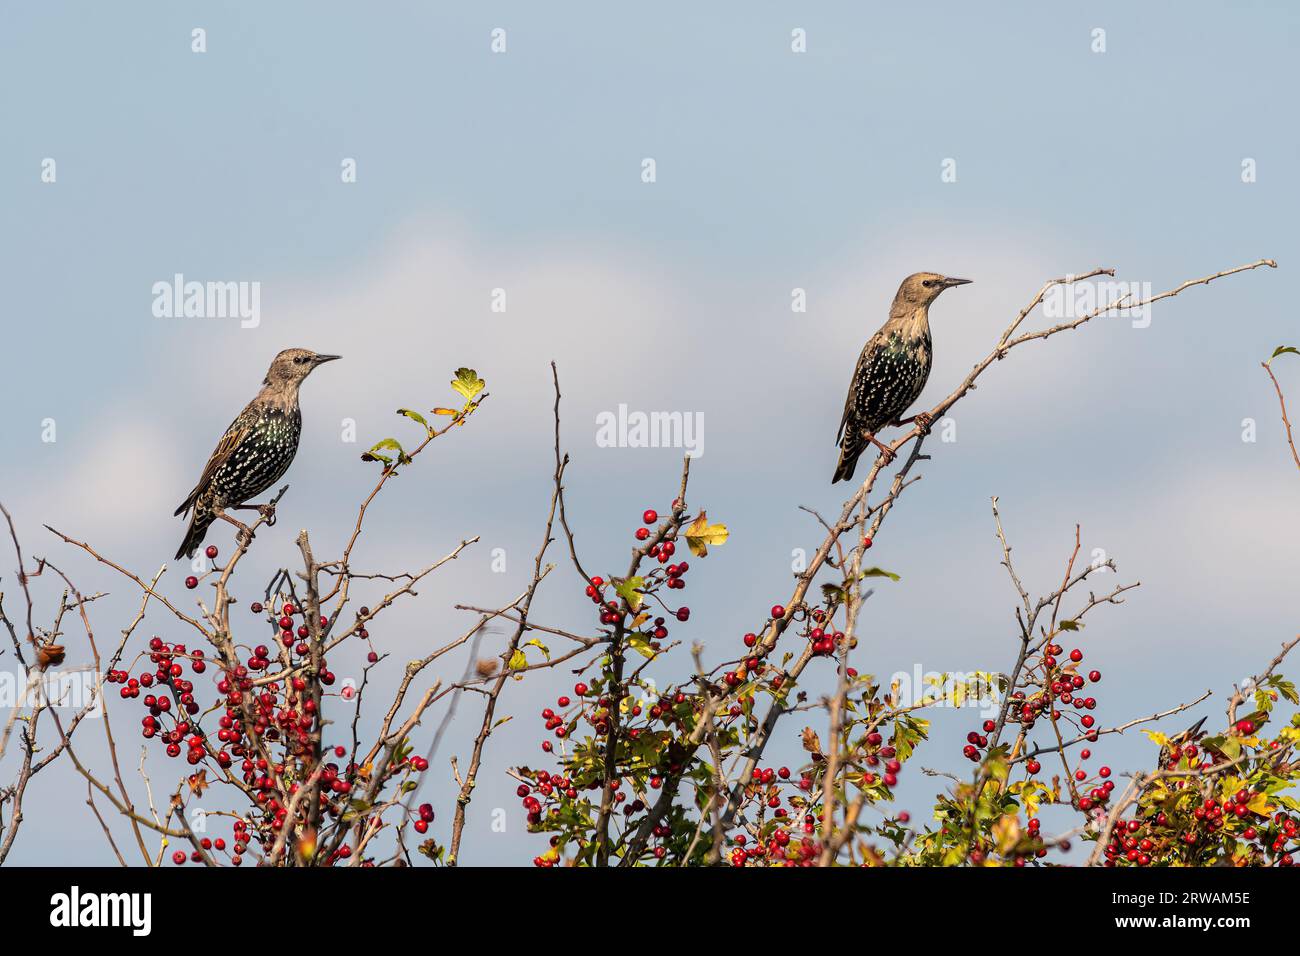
x,y
700,534
627,590
1159,739
388,443
518,660
467,383
1284,687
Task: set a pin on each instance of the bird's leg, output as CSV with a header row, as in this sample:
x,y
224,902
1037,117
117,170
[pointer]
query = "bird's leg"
x,y
885,451
923,421
267,511
245,532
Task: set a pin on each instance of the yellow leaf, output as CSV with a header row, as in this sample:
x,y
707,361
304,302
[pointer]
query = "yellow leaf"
x,y
1259,804
445,411
1006,832
700,534
467,382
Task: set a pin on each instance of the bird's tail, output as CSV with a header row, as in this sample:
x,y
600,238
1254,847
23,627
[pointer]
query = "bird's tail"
x,y
200,520
849,453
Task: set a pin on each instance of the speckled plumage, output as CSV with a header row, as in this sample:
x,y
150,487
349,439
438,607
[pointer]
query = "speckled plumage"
x,y
256,449
892,369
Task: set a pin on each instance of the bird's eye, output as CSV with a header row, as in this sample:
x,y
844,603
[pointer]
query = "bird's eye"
x,y
299,360
927,283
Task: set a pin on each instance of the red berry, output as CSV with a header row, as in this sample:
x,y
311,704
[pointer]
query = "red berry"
x,y
866,541
778,610
650,516
191,582
642,533
1076,655
211,551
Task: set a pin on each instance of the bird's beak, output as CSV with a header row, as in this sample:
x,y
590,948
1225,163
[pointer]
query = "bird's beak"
x,y
949,283
322,359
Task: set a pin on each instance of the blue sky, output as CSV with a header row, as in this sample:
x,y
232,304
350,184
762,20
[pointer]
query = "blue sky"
x,y
775,170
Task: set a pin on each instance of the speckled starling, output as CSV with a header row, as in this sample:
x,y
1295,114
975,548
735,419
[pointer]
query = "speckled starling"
x,y
256,449
891,371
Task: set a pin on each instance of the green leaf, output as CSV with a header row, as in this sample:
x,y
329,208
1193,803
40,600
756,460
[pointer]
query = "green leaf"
x,y
833,592
1283,349
642,646
1070,625
1284,687
467,383
839,593
880,573
356,808
413,415
389,443
627,590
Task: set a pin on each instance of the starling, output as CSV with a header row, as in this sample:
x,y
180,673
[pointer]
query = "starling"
x,y
1191,735
256,449
891,371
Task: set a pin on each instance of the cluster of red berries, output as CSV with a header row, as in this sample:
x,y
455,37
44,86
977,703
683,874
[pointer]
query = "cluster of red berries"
x,y
597,716
283,711
166,692
824,642
779,848
1060,683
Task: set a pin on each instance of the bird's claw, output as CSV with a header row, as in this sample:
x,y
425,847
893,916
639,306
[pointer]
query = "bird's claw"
x,y
267,512
923,422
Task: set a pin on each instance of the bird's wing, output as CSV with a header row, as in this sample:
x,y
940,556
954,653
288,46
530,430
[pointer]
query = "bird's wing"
x,y
229,442
870,352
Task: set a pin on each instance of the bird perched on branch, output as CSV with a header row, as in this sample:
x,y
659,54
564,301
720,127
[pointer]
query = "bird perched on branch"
x,y
891,371
1170,751
256,449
